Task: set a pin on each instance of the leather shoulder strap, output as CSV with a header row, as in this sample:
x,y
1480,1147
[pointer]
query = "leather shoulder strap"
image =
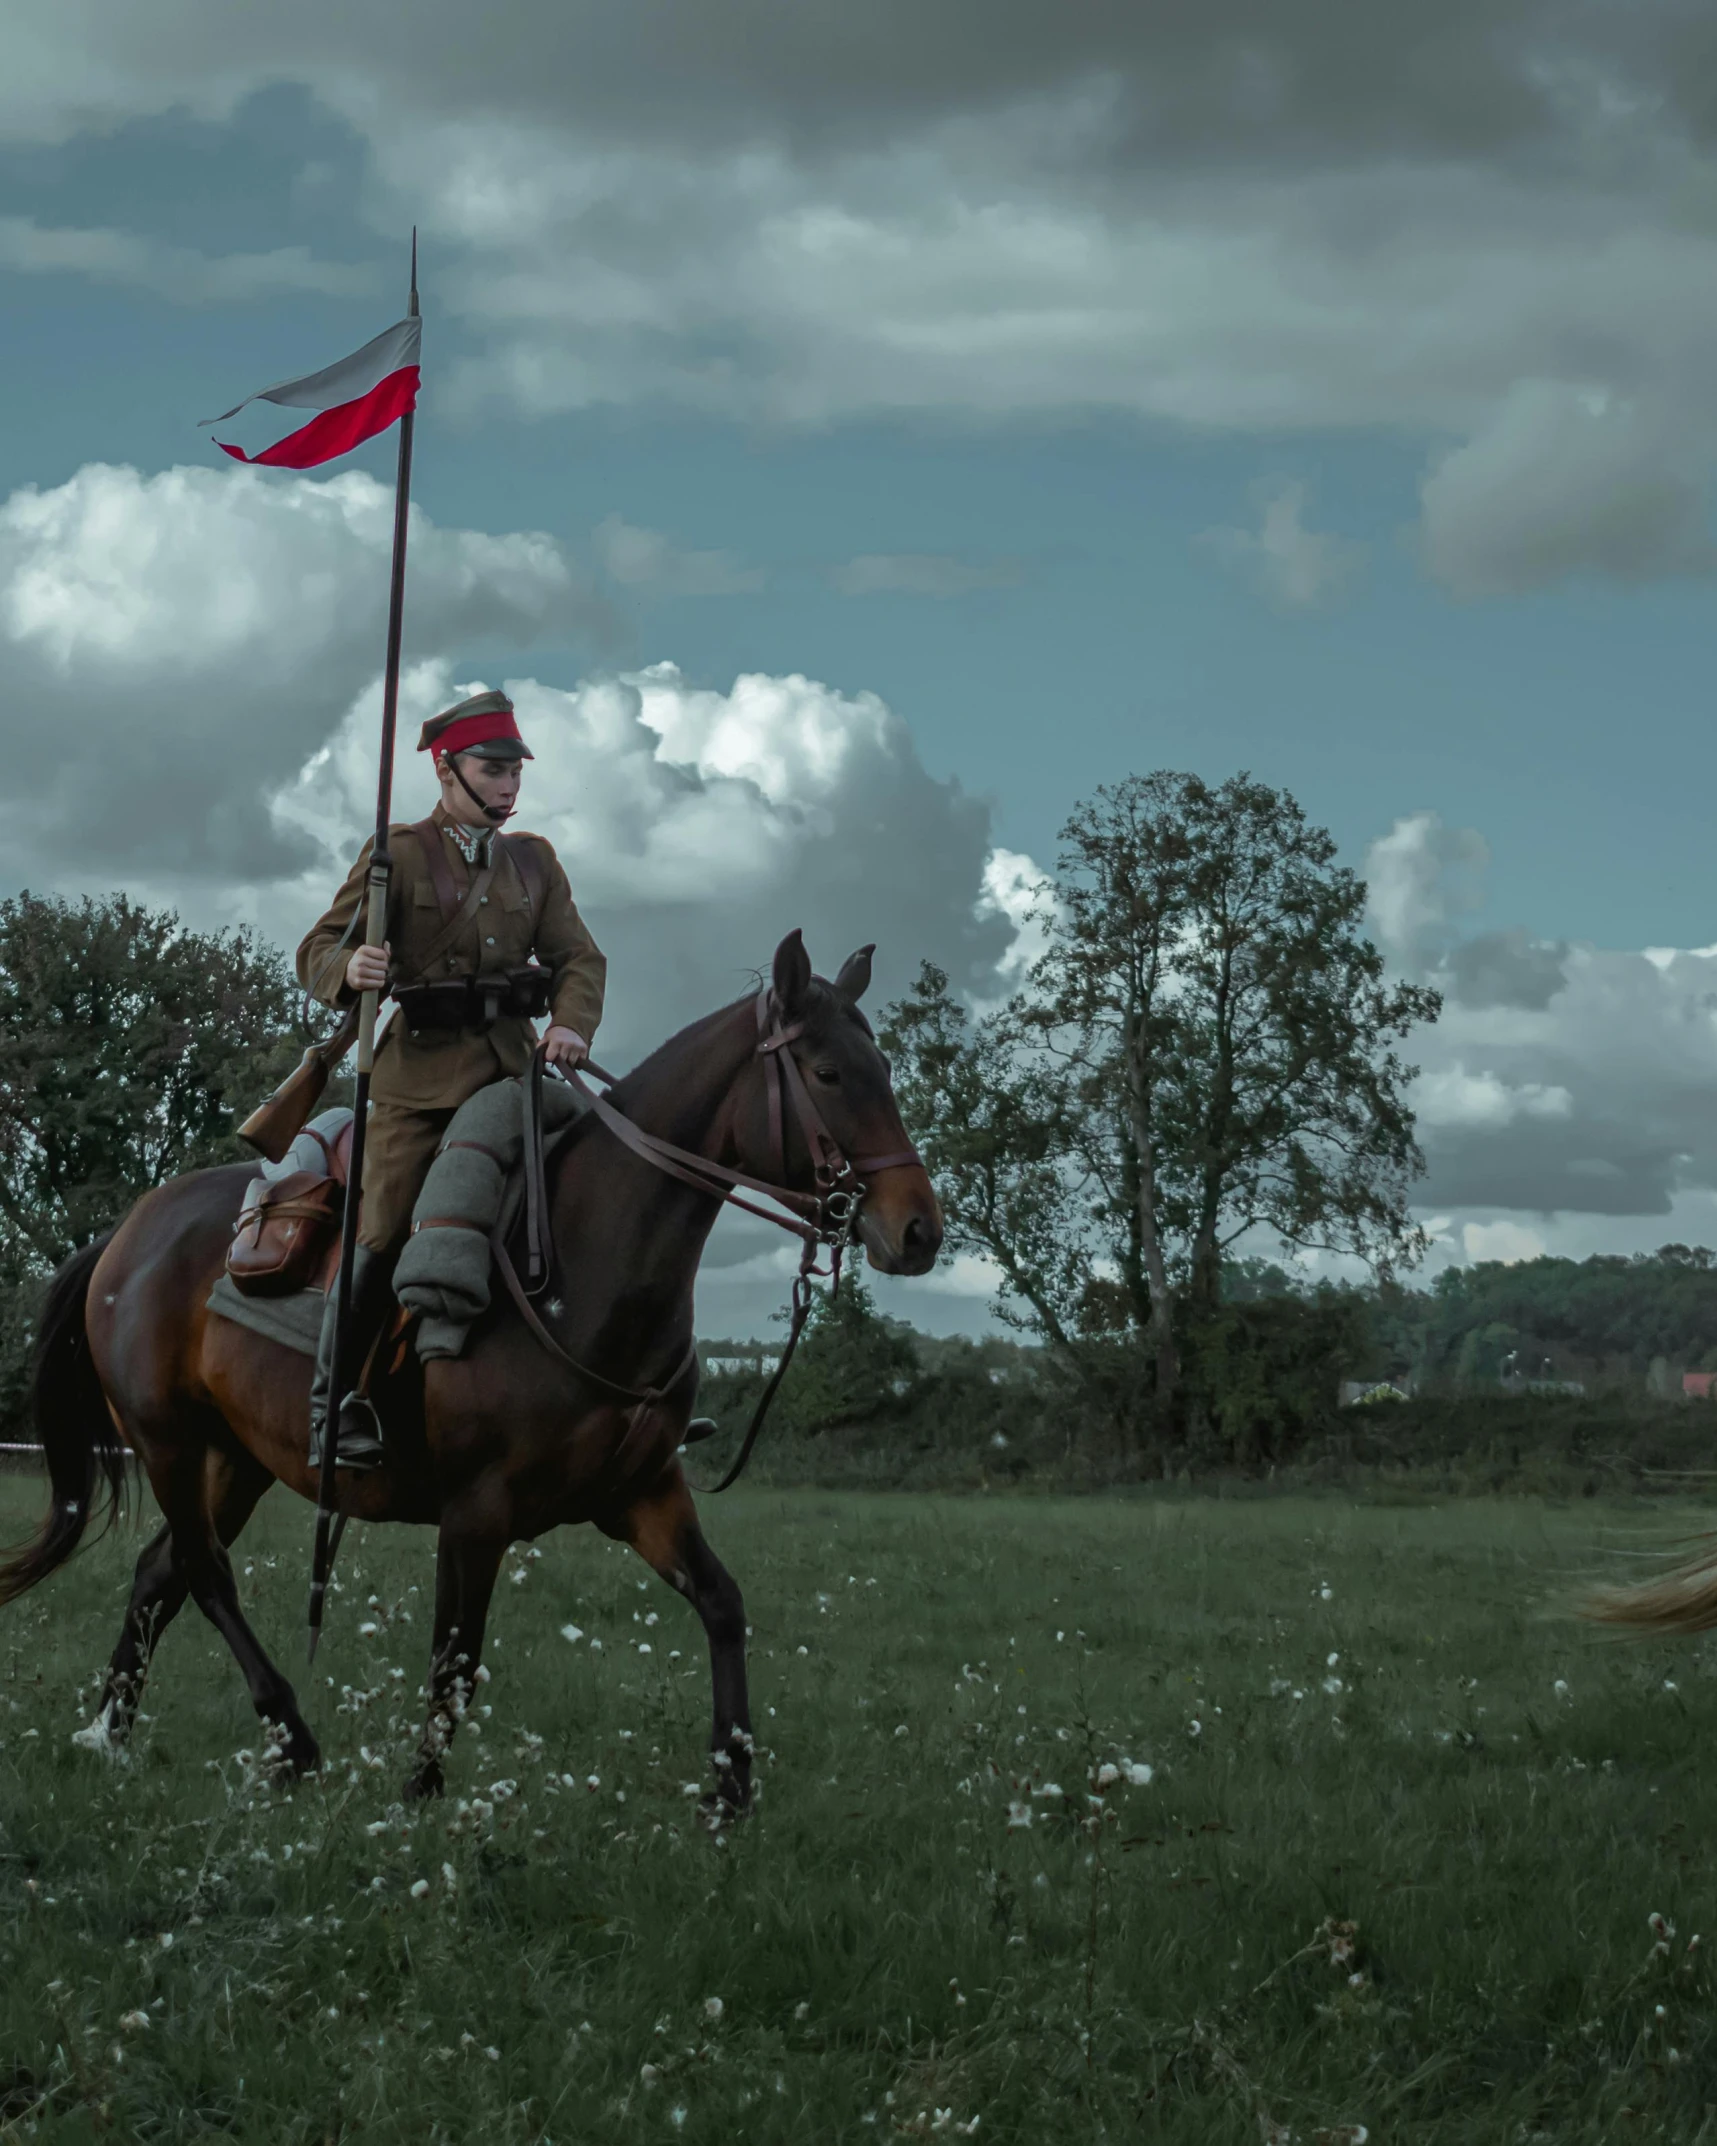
x,y
533,873
454,924
433,845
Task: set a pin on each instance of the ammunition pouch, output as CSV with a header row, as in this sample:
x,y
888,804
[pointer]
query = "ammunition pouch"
x,y
474,1003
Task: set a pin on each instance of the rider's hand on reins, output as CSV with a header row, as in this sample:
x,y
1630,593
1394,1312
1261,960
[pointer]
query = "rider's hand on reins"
x,y
368,968
565,1047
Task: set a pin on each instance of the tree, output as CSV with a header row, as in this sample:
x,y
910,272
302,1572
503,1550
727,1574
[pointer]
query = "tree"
x,y
127,1045
1203,1060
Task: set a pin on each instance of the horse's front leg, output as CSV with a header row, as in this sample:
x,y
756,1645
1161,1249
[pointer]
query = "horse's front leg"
x,y
468,1557
663,1528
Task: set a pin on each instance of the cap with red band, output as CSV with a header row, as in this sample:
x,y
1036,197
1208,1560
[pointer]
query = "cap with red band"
x,y
484,724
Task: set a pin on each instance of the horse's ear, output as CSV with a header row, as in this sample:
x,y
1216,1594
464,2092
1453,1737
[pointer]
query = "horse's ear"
x,y
792,975
854,980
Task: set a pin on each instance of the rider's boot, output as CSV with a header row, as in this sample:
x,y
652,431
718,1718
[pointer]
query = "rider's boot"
x,y
360,1432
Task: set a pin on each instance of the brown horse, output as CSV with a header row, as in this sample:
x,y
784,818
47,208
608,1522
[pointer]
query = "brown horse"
x,y
508,1441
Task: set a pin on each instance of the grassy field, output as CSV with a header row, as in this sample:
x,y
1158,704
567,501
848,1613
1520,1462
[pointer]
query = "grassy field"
x,y
1395,1865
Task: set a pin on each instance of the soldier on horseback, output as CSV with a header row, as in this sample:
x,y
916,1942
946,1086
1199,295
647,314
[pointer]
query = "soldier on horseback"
x,y
483,934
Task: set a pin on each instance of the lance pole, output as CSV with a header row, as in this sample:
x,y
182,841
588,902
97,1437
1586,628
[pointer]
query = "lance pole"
x,y
375,932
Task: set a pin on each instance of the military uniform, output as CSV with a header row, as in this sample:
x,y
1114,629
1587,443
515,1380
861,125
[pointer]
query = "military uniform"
x,y
466,905
421,1079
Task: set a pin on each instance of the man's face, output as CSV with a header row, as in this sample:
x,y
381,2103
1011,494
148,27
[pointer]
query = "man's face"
x,y
496,782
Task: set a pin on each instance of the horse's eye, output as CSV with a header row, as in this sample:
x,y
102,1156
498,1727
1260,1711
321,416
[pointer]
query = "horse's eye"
x,y
829,1076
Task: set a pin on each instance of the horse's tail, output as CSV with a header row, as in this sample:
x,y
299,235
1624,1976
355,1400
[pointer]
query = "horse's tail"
x,y
86,1461
1681,1600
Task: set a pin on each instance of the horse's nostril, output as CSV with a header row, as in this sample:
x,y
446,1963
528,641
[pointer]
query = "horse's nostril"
x,y
918,1235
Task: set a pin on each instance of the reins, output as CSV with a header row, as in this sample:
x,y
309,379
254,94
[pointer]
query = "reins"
x,y
824,1219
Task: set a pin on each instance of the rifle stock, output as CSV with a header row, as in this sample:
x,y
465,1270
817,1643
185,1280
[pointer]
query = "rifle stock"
x,y
273,1125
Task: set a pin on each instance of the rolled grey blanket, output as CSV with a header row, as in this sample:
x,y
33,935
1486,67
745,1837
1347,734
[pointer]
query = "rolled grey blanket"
x,y
443,1274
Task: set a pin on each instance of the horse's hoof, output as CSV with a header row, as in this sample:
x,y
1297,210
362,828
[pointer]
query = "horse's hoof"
x,y
107,1735
720,1814
424,1784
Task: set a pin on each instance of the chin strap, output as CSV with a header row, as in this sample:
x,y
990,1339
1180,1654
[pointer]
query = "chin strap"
x,y
496,815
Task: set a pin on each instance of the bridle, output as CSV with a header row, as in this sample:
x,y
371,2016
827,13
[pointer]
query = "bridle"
x,y
823,1220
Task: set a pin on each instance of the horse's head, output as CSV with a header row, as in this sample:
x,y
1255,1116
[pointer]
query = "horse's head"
x,y
846,1084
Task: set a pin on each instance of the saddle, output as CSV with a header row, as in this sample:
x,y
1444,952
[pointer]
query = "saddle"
x,y
287,1235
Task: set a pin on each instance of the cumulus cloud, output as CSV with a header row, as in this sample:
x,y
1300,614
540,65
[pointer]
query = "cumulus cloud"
x,y
1562,1079
1451,1097
1296,568
183,641
699,826
645,560
1564,479
1505,1241
1421,877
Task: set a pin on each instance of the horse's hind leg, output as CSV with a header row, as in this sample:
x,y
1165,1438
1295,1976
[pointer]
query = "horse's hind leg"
x,y
181,1477
663,1529
234,1483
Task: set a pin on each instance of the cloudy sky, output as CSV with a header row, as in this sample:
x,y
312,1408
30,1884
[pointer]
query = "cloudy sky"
x,y
857,431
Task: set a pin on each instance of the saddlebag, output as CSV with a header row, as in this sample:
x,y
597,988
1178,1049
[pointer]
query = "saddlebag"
x,y
284,1234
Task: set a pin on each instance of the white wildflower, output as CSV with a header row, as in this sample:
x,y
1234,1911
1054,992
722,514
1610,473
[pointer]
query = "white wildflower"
x,y
571,1634
713,2008
1019,1815
420,1889
134,2022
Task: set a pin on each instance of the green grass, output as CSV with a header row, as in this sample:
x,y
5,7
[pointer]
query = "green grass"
x,y
884,1946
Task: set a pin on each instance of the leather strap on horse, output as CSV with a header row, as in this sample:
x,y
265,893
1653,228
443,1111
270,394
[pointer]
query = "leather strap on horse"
x,y
766,1399
644,1401
814,1218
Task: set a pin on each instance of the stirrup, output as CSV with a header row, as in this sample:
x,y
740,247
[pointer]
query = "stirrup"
x,y
358,1436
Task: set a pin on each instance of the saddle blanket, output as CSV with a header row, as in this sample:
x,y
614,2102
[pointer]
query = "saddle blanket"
x,y
476,1179
294,1321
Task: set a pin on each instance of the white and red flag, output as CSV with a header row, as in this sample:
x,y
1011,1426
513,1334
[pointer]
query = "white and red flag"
x,y
357,398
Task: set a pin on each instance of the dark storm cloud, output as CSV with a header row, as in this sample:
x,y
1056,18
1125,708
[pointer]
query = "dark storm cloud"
x,y
1322,80
1480,223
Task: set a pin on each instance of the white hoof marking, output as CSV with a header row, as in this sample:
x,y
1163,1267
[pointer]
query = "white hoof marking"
x,y
99,1736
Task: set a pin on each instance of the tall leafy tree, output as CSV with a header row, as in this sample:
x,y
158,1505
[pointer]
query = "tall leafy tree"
x,y
1204,1058
127,1046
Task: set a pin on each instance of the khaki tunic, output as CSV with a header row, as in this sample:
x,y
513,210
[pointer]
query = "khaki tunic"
x,y
419,1081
